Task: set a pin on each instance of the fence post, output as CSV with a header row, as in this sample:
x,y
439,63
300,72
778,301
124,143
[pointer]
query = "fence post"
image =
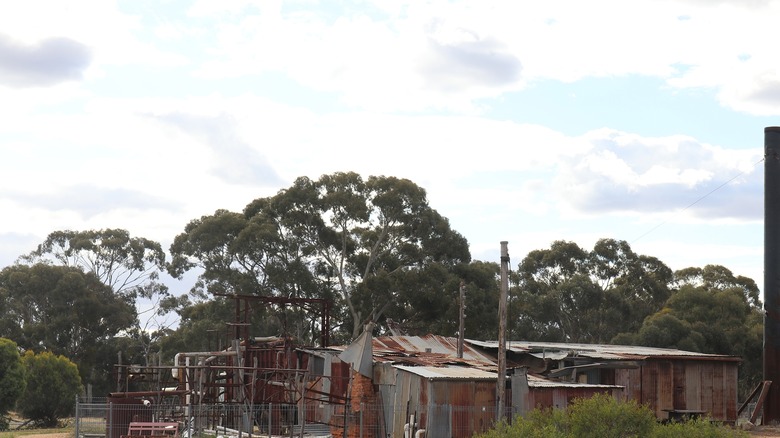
x,y
110,429
78,419
191,422
270,418
362,408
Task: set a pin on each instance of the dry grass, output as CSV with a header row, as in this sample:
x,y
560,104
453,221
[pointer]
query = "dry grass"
x,y
66,432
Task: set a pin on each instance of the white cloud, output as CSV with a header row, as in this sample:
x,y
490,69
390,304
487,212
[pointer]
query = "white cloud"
x,y
422,55
111,36
627,173
135,142
444,55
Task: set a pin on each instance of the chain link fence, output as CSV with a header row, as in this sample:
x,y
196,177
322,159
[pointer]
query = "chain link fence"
x,y
104,419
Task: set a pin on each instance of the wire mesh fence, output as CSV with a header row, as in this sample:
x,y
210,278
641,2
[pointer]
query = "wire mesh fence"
x,y
105,419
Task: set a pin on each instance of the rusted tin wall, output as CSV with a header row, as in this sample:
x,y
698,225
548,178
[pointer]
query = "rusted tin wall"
x,y
461,407
326,390
708,386
631,381
447,405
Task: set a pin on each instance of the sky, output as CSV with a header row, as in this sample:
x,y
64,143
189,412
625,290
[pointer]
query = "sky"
x,y
525,121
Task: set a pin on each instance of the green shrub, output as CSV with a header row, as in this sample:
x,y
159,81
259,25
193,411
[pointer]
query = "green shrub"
x,y
52,385
603,416
12,379
549,423
701,428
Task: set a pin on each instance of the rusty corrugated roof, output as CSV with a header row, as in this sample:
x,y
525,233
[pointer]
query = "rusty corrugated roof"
x,y
557,350
428,350
468,373
441,351
448,372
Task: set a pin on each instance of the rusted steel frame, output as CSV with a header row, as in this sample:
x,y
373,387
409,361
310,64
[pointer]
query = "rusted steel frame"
x,y
765,388
325,310
130,394
332,396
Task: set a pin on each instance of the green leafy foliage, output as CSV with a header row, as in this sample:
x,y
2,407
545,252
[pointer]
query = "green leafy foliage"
x,y
712,311
549,423
12,378
697,428
122,262
371,246
602,416
52,385
65,311
202,328
568,294
130,266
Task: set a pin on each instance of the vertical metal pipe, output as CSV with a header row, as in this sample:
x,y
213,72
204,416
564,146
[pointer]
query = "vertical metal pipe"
x,y
772,271
501,383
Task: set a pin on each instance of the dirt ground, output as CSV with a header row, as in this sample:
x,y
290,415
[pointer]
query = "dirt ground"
x,y
766,432
50,435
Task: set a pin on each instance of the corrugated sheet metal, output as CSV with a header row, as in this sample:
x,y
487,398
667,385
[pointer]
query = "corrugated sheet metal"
x,y
538,382
429,350
664,379
417,345
448,372
597,351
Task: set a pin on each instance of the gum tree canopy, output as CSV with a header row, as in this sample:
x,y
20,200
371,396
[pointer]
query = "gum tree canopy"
x,y
129,266
323,238
63,310
124,263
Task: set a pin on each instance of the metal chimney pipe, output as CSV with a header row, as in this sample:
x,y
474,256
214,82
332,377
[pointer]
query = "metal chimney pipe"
x,y
772,272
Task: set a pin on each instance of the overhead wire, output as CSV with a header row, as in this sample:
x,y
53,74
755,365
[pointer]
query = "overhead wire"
x,y
699,200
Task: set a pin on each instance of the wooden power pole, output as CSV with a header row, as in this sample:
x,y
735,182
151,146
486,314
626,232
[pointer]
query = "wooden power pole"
x,y
461,317
502,303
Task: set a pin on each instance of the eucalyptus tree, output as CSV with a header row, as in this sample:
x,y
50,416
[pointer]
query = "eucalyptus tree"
x,y
248,253
545,308
66,311
339,237
566,293
120,261
130,266
717,277
634,285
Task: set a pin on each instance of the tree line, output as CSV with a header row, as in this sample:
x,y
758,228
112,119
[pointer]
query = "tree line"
x,y
379,252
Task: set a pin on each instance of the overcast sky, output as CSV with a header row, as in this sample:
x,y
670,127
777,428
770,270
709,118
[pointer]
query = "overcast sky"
x,y
525,121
